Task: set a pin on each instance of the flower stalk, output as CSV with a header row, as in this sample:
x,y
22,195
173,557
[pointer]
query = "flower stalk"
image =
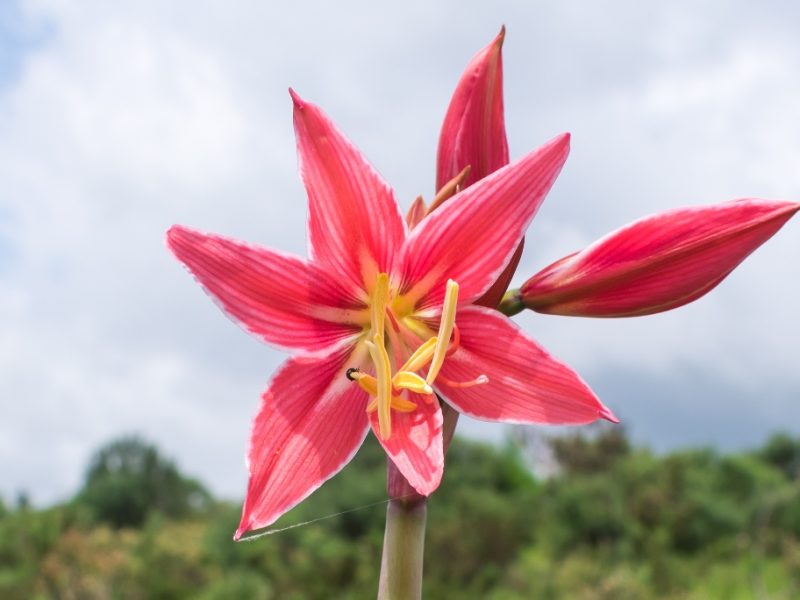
x,y
511,304
403,549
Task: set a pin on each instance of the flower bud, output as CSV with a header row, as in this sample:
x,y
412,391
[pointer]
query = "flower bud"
x,y
473,132
655,264
474,136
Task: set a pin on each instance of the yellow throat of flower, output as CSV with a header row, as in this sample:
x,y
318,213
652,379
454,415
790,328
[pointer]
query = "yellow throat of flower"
x,y
384,384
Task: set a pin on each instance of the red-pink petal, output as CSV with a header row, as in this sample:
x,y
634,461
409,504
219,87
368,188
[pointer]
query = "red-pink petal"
x,y
280,298
473,132
472,237
492,297
657,263
354,223
526,384
311,422
415,445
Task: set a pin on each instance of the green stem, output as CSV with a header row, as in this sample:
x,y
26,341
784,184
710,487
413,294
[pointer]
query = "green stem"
x,y
403,547
511,304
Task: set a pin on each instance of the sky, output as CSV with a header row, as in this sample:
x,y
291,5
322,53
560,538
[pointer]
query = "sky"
x,y
119,119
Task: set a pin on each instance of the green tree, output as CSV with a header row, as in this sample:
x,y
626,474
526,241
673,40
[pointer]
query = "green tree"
x,y
783,452
581,453
128,479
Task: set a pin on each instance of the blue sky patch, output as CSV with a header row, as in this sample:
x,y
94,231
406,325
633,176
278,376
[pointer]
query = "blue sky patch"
x,y
6,254
19,34
7,249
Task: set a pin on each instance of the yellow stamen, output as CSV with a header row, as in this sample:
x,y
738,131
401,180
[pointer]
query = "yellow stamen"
x,y
411,381
420,357
367,382
445,330
383,375
402,380
399,404
380,298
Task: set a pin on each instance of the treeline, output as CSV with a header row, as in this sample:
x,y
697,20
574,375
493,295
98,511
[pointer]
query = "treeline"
x,y
614,522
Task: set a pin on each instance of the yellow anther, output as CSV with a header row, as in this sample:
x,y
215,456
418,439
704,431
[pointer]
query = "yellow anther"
x,y
399,404
445,330
401,380
383,376
421,356
411,381
367,383
380,298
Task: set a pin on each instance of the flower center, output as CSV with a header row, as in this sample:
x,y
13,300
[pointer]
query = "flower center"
x,y
386,387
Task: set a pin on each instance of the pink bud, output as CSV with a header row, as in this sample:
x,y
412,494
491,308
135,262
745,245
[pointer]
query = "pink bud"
x,y
473,132
658,263
474,136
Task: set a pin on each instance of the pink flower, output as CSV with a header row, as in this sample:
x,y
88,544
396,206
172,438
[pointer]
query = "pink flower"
x,y
380,318
657,263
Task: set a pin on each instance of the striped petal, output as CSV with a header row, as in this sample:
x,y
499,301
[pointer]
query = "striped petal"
x,y
311,423
525,383
354,223
657,263
472,237
473,132
415,446
280,298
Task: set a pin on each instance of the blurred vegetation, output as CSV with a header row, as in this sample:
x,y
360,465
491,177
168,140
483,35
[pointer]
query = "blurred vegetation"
x,y
128,480
614,522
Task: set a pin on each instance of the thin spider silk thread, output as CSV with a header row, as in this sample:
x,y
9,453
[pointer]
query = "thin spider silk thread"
x,y
256,536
